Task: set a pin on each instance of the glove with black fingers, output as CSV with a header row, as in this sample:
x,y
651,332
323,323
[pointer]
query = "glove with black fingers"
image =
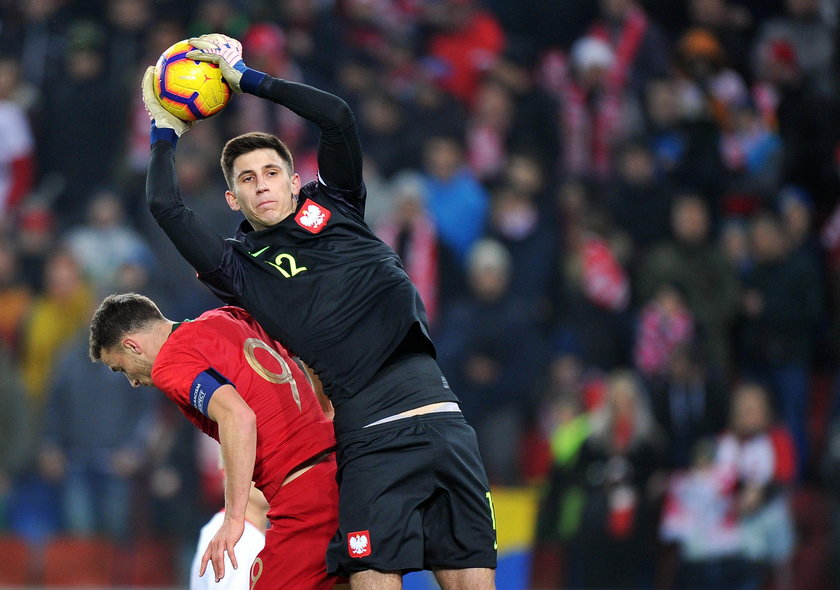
x,y
161,118
224,51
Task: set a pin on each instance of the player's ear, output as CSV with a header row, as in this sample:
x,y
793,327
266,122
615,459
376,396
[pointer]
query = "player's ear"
x,y
295,184
131,345
232,202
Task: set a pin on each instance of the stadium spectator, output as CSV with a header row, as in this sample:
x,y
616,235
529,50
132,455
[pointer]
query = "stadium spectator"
x,y
434,112
730,23
314,38
105,242
456,199
758,458
57,315
688,404
619,468
562,496
665,324
753,155
527,233
217,15
693,260
685,146
591,106
489,126
14,88
568,395
126,25
533,129
409,230
636,42
174,498
780,308
734,242
707,85
464,41
810,39
791,103
17,145
266,46
36,238
494,380
386,134
95,136
699,520
796,213
38,41
594,289
637,198
96,468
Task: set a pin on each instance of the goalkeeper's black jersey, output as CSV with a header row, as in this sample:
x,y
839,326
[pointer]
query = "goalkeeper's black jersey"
x,y
324,285
320,281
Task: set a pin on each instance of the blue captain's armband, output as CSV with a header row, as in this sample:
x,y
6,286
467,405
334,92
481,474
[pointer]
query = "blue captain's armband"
x,y
204,386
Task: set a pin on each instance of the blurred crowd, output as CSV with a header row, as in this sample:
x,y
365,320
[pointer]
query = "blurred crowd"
x,y
622,216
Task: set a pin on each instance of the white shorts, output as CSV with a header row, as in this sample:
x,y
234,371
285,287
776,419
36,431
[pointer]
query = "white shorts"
x,y
246,550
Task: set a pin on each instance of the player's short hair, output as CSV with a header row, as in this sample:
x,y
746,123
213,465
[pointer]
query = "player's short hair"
x,y
117,316
250,142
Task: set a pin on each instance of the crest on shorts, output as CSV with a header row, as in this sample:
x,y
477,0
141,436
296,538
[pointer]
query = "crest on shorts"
x,y
358,544
312,217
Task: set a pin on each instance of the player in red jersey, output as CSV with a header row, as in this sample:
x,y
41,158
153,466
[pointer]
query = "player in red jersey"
x,y
241,387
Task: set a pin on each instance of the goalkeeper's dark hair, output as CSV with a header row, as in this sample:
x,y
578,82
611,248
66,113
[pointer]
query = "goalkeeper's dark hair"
x,y
117,316
249,142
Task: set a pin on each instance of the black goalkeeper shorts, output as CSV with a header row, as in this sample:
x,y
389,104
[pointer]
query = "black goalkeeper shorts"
x,y
413,495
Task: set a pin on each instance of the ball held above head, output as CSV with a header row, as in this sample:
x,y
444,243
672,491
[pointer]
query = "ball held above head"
x,y
190,88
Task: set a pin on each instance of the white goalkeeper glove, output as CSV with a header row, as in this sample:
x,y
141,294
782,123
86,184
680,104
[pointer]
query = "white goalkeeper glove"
x,y
224,51
161,118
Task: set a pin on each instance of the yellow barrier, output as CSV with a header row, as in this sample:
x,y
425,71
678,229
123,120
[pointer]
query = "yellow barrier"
x,y
516,516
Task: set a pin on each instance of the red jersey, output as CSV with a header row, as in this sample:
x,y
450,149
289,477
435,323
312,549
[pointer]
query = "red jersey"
x,y
227,346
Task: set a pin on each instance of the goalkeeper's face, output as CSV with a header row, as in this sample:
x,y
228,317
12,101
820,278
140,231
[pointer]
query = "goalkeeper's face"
x,y
264,188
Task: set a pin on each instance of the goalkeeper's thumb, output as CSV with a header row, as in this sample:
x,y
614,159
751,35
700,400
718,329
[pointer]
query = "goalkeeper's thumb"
x,y
161,118
231,73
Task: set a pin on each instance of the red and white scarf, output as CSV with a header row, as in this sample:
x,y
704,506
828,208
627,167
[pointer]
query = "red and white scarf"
x,y
420,259
625,45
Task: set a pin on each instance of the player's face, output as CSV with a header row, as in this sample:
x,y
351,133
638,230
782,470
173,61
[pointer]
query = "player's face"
x,y
263,189
136,368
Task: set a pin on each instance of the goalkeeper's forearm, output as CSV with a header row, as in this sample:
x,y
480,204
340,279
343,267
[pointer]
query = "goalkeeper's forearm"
x,y
339,148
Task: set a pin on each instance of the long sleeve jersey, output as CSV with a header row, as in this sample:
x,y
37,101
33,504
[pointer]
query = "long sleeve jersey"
x,y
320,281
226,346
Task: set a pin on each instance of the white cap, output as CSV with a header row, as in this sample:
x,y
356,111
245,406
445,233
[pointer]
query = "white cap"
x,y
592,52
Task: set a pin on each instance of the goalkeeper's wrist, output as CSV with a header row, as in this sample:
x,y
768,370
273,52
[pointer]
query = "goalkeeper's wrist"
x,y
251,80
163,133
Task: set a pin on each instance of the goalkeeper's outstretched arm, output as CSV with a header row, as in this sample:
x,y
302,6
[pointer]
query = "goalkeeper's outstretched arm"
x,y
339,149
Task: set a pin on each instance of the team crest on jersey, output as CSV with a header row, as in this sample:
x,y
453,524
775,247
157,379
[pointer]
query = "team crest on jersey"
x,y
312,217
358,544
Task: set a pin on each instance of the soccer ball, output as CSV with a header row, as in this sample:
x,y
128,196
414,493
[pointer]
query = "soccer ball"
x,y
187,88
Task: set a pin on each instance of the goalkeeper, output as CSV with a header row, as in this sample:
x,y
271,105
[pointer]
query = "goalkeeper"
x,y
413,491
